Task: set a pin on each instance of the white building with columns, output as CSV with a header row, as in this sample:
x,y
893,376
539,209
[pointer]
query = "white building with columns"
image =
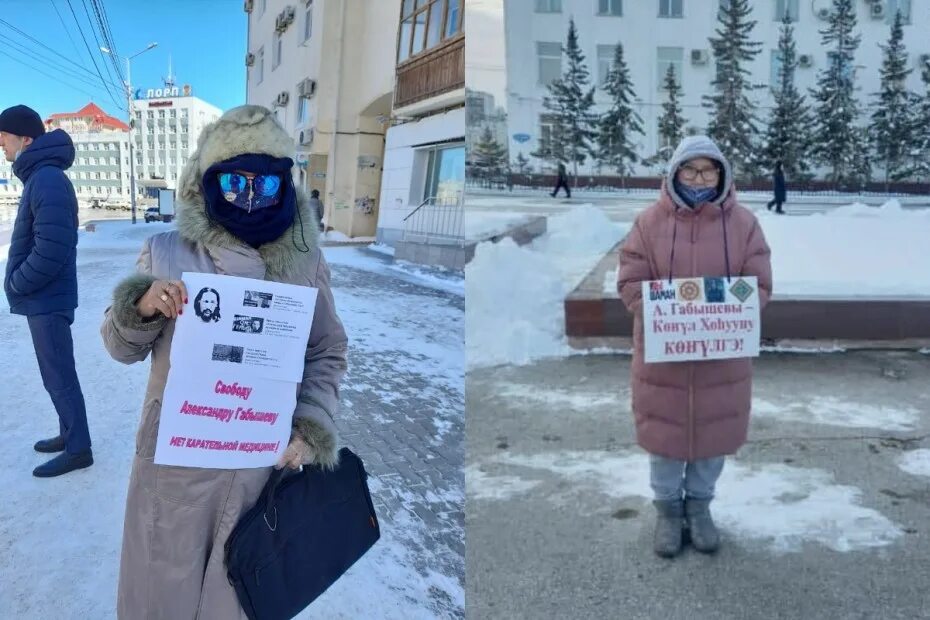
x,y
659,33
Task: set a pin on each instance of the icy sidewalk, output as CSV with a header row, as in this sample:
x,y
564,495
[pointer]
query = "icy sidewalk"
x,y
824,512
402,413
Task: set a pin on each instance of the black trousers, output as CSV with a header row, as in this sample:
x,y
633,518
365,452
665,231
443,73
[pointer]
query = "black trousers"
x,y
777,203
562,183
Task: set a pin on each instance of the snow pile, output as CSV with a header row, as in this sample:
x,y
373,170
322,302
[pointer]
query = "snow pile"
x,y
515,295
833,411
478,225
851,252
916,462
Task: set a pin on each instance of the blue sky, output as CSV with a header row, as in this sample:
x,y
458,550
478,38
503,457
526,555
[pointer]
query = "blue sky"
x,y
205,38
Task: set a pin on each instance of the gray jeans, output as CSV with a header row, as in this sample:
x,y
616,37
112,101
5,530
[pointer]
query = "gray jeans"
x,y
670,479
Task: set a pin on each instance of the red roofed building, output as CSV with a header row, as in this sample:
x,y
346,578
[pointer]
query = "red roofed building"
x,y
89,119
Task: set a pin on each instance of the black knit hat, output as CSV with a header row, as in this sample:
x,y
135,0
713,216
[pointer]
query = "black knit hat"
x,y
23,121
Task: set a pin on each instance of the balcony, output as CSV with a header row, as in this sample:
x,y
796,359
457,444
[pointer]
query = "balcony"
x,y
438,71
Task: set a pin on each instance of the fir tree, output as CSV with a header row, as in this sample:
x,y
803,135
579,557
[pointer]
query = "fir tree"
x,y
490,155
671,123
786,138
892,119
617,126
920,140
733,122
570,104
836,139
522,164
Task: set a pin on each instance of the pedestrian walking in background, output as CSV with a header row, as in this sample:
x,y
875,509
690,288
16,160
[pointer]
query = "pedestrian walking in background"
x,y
316,205
690,415
178,519
778,186
41,275
562,182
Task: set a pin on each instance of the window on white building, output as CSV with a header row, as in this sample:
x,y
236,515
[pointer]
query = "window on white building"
x,y
549,61
260,70
424,24
671,8
669,57
775,63
308,21
613,8
605,62
904,6
303,110
263,6
548,6
546,124
790,6
445,174
151,114
277,51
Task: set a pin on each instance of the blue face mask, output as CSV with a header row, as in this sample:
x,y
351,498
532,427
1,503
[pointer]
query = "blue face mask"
x,y
696,195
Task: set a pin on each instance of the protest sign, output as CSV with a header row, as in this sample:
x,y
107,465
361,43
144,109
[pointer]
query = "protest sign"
x,y
694,319
237,357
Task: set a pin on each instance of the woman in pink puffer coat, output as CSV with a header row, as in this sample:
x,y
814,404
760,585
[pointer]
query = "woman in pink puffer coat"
x,y
690,415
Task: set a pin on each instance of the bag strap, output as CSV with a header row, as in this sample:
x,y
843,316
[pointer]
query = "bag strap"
x,y
270,513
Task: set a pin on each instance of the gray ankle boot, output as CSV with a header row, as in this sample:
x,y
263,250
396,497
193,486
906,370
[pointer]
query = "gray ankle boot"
x,y
704,535
669,523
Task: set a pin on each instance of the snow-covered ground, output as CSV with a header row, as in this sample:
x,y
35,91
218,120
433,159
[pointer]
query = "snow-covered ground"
x,y
483,224
515,312
406,366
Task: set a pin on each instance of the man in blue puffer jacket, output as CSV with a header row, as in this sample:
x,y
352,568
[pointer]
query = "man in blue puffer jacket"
x,y
41,275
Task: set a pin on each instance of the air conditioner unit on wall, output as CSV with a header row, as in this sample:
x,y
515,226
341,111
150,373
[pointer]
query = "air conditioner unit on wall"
x,y
305,138
805,60
823,13
923,61
249,60
290,14
877,10
282,99
306,88
699,57
249,5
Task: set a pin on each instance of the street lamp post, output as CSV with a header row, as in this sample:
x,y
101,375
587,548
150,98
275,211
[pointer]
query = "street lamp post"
x,y
132,157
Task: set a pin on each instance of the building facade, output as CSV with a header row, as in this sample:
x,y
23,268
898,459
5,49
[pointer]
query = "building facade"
x,y
326,70
659,33
167,124
101,163
424,159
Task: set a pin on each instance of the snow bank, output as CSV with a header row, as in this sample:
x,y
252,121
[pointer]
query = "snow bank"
x,y
916,462
852,252
515,295
478,225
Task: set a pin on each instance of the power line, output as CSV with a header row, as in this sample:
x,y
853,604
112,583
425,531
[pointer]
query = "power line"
x,y
103,20
97,39
67,32
42,45
54,77
49,65
87,45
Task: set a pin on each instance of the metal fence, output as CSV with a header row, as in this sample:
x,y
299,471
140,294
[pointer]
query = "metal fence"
x,y
437,221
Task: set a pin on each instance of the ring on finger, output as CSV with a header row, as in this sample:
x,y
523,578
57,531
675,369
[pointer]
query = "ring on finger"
x,y
164,297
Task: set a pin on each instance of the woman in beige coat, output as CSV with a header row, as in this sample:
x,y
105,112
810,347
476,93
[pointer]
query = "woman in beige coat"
x,y
231,219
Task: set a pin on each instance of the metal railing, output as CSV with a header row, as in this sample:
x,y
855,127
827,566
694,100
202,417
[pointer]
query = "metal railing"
x,y
437,221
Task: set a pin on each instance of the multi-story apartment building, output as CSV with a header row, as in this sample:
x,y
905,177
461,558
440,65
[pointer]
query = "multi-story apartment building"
x,y
326,69
424,160
101,162
168,122
659,33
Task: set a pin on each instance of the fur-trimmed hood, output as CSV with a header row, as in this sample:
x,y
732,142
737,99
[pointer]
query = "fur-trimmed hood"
x,y
245,129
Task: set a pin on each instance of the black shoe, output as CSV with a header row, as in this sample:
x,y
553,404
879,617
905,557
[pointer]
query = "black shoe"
x,y
50,446
64,463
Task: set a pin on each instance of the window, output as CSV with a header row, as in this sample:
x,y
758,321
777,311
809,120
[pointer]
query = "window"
x,y
789,6
308,21
278,47
548,6
259,73
151,114
303,110
775,66
445,174
426,24
848,71
549,61
612,8
263,6
669,57
671,8
605,61
546,123
904,6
